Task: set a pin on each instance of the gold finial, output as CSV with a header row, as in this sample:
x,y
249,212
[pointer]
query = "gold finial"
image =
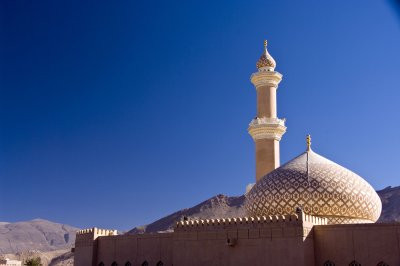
x,y
265,44
308,142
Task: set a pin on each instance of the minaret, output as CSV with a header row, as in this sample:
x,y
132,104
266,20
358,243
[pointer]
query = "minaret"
x,y
266,129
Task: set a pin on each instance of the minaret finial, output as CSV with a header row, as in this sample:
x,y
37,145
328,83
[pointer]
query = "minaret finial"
x,y
266,62
308,142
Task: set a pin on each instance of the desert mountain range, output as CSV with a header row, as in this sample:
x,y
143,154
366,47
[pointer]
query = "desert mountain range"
x,y
224,206
53,241
37,234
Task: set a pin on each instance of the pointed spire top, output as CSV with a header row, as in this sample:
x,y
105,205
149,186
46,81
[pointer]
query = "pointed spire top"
x,y
308,142
266,62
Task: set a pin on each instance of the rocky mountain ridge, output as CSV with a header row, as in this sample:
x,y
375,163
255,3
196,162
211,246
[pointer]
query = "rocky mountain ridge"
x,y
38,234
53,241
390,197
225,206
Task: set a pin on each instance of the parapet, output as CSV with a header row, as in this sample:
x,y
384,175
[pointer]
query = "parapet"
x,y
272,219
315,220
240,220
86,237
97,232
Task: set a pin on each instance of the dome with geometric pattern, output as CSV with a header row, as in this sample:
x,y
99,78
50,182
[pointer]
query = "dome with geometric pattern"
x,y
319,187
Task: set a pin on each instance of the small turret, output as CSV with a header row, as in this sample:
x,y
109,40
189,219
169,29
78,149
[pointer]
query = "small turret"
x,y
86,244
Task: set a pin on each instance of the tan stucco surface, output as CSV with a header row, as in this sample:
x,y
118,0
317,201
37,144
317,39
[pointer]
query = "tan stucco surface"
x,y
276,242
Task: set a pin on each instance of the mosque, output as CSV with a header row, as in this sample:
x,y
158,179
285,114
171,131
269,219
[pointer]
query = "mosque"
x,y
309,211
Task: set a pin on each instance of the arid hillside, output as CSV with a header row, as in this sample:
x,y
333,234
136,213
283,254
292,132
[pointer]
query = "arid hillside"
x,y
225,206
38,234
52,241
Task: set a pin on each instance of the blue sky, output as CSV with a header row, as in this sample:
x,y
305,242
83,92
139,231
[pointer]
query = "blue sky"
x,y
115,114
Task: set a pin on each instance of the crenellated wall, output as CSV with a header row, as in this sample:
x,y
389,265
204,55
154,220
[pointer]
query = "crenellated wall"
x,y
294,218
86,245
297,239
229,241
267,240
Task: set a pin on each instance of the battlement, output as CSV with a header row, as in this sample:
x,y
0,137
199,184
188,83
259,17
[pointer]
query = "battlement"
x,y
98,232
293,218
315,220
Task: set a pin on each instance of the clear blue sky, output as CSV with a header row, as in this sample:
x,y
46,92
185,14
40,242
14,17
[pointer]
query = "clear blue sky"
x,y
116,113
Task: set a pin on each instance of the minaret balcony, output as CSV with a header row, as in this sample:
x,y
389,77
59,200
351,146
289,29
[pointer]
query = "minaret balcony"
x,y
267,128
266,78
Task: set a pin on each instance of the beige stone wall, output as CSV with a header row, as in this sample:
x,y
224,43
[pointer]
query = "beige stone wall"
x,y
284,240
86,245
84,248
368,244
249,251
276,243
136,249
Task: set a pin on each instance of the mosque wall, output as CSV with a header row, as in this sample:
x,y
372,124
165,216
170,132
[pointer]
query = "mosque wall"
x,y
86,245
277,241
135,249
367,244
274,240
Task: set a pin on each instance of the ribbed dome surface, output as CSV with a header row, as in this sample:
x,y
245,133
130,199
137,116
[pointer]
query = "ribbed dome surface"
x,y
317,185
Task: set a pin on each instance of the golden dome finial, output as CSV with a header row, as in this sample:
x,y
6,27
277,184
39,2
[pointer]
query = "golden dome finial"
x,y
308,142
265,44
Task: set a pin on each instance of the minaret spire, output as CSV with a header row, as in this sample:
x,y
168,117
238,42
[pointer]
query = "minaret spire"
x,y
266,129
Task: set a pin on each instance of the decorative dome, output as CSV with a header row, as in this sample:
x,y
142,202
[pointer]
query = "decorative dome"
x,y
266,62
317,185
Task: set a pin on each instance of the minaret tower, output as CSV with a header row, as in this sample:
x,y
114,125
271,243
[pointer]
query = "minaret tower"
x,y
266,129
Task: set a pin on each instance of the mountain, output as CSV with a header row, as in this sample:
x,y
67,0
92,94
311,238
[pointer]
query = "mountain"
x,y
38,234
390,198
218,206
52,241
225,206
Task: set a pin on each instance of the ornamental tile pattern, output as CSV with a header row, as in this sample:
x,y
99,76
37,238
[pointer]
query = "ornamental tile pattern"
x,y
265,61
317,185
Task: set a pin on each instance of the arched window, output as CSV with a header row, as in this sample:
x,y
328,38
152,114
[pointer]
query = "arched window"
x,y
160,263
128,263
329,263
145,263
101,264
382,264
354,263
114,264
